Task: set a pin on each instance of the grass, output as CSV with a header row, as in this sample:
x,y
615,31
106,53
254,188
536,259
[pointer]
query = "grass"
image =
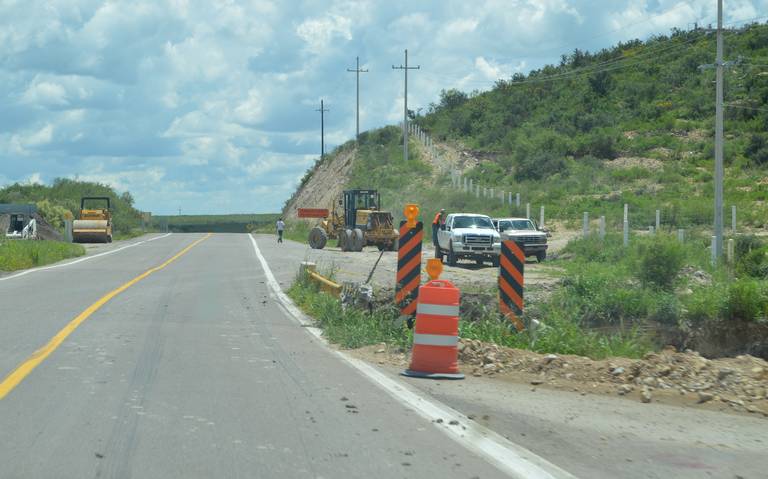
x,y
17,254
236,223
355,328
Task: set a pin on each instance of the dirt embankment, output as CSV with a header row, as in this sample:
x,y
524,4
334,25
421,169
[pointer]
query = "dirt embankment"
x,y
325,186
737,384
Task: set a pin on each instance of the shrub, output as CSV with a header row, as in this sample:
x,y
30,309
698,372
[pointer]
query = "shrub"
x,y
754,263
660,262
747,300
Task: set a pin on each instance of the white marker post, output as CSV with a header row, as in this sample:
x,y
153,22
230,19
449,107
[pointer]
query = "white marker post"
x,y
681,235
626,225
733,219
517,200
730,250
528,210
541,217
658,219
714,250
585,226
602,227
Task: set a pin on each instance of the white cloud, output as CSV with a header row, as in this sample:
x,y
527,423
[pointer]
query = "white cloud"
x,y
319,32
45,93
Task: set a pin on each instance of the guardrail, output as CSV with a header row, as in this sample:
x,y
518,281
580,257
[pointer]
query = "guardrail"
x,y
310,269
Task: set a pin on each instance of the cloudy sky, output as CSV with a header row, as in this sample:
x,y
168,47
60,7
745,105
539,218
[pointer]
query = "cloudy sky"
x,y
208,105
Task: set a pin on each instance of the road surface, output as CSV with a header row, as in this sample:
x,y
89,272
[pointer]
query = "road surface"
x,y
177,358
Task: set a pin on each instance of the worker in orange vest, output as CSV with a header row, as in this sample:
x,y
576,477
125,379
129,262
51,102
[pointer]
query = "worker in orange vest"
x,y
439,220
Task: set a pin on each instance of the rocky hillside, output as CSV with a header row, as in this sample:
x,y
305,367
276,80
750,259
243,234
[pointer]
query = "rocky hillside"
x,y
323,184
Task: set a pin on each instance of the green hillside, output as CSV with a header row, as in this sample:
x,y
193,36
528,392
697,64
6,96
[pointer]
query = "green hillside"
x,y
552,132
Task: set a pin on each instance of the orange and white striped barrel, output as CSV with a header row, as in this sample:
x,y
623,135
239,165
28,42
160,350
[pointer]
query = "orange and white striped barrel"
x,y
436,333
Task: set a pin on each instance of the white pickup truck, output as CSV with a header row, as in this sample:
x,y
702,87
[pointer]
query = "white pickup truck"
x,y
523,231
467,235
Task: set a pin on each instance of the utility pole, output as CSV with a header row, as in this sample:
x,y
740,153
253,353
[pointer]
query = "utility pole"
x,y
719,135
405,69
357,72
322,111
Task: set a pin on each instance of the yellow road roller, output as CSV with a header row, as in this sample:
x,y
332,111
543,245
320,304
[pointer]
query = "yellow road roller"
x,y
95,223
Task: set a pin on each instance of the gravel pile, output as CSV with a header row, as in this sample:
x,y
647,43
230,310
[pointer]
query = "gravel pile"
x,y
740,382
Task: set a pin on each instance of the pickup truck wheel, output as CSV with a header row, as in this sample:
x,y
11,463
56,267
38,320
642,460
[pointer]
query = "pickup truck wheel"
x,y
540,257
451,255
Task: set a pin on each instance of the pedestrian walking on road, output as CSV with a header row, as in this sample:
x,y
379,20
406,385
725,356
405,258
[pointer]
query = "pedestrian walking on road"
x,y
280,228
439,220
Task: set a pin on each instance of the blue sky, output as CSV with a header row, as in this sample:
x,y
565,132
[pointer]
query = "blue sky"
x,y
208,105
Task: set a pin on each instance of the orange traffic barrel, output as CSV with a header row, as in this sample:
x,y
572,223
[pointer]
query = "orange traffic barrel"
x,y
436,333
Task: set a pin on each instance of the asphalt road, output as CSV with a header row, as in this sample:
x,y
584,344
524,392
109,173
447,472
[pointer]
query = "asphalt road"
x,y
193,371
198,369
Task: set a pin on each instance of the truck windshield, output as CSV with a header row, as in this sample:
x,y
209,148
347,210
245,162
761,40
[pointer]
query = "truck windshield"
x,y
516,225
472,222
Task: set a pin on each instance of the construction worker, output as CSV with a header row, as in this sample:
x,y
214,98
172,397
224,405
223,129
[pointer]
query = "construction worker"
x,y
280,228
439,220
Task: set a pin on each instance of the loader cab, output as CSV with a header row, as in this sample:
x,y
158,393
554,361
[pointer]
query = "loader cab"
x,y
355,200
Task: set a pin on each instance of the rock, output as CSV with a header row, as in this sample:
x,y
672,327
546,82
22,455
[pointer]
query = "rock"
x,y
625,389
381,351
650,381
617,371
489,358
705,397
489,368
645,395
664,371
453,422
723,373
536,382
569,376
549,358
460,347
758,372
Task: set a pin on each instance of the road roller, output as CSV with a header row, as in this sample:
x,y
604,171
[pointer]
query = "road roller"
x,y
95,223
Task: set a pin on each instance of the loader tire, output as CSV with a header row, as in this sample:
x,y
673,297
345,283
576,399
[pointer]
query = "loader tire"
x,y
317,238
358,239
345,240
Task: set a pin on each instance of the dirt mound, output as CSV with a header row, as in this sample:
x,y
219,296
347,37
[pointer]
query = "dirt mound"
x,y
325,185
740,383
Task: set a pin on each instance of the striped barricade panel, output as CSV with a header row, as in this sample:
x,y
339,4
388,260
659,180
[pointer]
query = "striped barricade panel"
x,y
511,282
408,268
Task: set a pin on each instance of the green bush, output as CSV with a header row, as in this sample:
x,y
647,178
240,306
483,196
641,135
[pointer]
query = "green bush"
x,y
659,262
747,300
754,263
53,214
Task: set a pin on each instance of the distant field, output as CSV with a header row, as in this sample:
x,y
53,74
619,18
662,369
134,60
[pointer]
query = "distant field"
x,y
215,223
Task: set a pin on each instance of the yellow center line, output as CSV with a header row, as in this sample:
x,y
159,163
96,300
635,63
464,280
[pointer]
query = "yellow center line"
x,y
25,368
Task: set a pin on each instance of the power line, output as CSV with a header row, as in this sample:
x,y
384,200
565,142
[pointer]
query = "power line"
x,y
745,107
405,69
357,72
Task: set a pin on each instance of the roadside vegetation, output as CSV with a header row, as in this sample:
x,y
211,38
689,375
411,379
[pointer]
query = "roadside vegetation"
x,y
235,223
352,327
17,254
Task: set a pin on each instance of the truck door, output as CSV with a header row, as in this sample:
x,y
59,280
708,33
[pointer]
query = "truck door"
x,y
444,234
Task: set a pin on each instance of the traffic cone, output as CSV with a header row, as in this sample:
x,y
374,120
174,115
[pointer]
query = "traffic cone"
x,y
436,333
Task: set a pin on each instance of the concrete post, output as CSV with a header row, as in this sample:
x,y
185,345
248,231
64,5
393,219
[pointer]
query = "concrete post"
x,y
68,231
502,196
491,194
731,244
477,191
485,192
517,200
585,226
650,230
541,217
658,219
528,210
733,219
681,235
602,227
510,198
626,224
714,250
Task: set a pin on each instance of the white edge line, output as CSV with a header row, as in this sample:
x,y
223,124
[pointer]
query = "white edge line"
x,y
80,260
510,458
